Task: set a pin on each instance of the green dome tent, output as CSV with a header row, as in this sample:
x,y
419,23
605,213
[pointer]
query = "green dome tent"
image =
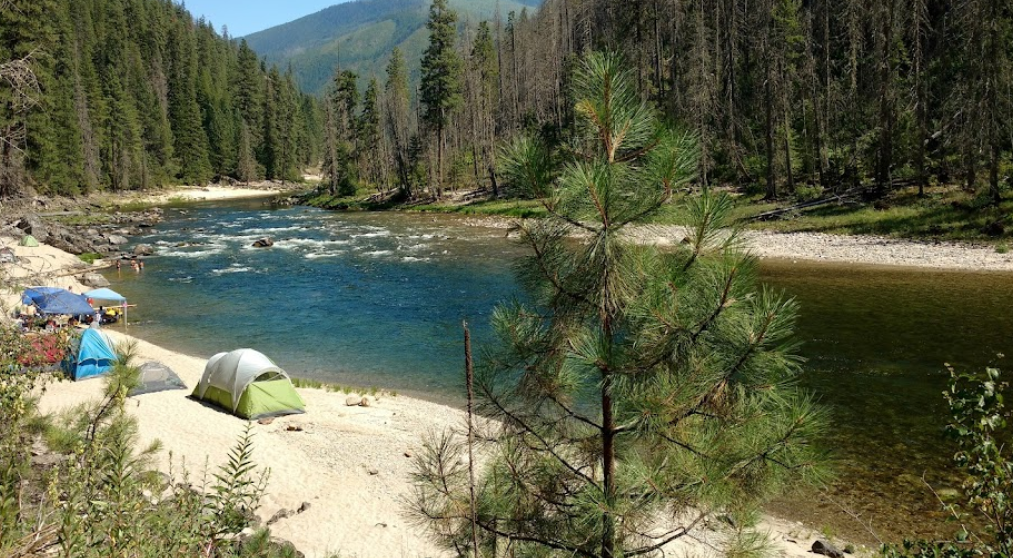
x,y
29,241
249,385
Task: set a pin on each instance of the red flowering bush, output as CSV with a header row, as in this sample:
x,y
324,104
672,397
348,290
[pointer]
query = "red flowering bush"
x,y
42,350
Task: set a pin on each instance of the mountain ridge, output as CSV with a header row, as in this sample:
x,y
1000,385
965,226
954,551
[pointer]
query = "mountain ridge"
x,y
360,35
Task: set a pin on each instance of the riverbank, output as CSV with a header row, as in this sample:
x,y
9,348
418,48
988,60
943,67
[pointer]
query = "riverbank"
x,y
350,464
827,248
218,192
793,239
861,250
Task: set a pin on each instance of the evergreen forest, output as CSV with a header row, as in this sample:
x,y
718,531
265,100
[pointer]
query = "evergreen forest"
x,y
787,98
131,94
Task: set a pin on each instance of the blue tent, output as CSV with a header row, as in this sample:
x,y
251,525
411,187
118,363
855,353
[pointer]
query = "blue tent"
x,y
93,356
105,295
53,300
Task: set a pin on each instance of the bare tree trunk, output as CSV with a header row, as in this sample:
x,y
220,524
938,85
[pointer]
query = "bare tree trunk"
x,y
768,96
885,151
470,379
608,539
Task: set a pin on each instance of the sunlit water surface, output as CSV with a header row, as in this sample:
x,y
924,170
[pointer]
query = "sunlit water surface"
x,y
378,299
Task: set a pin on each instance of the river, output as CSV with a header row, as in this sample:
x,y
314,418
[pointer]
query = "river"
x,y
377,299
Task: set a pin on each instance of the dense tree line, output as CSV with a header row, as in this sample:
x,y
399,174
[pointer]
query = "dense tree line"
x,y
439,135
137,93
790,93
784,94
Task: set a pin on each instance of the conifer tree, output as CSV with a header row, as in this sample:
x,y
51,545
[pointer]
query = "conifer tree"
x,y
191,142
398,120
340,138
485,67
246,164
638,392
368,133
441,79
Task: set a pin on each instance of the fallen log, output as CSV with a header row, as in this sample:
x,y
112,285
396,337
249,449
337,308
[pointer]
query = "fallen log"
x,y
835,198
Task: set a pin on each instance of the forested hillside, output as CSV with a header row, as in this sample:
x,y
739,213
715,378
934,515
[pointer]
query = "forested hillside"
x,y
787,98
126,94
786,93
360,35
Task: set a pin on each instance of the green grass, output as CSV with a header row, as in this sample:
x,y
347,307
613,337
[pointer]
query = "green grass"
x,y
90,257
515,208
943,214
338,388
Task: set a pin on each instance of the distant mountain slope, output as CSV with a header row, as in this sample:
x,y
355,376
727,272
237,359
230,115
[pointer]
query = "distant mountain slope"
x,y
359,36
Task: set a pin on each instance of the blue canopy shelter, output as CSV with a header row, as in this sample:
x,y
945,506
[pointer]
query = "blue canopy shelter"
x,y
105,295
53,300
91,355
109,295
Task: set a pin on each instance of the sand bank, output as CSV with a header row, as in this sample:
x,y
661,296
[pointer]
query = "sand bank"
x,y
864,250
216,193
350,464
820,247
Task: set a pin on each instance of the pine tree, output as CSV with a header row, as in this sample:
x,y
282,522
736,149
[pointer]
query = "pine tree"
x,y
368,133
55,155
191,142
341,134
398,120
246,163
441,79
485,68
640,391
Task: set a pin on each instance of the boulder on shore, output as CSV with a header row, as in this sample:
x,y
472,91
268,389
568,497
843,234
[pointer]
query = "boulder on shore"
x,y
826,549
265,242
117,240
33,225
95,280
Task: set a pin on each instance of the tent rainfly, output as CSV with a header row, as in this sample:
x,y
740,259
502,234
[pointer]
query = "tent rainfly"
x,y
92,355
249,385
154,377
29,242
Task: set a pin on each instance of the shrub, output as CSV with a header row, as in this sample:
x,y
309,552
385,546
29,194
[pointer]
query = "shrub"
x,y
808,192
90,257
104,498
979,424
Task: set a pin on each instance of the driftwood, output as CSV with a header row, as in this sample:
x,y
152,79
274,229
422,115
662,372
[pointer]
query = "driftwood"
x,y
835,198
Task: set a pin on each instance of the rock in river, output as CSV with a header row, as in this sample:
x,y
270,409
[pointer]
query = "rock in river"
x,y
265,242
143,250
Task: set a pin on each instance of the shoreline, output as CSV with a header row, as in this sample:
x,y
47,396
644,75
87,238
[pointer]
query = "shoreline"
x,y
821,248
218,192
350,464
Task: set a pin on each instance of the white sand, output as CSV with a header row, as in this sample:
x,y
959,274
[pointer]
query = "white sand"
x,y
327,464
211,193
864,250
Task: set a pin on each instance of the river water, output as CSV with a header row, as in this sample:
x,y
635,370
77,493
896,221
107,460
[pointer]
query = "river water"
x,y
378,299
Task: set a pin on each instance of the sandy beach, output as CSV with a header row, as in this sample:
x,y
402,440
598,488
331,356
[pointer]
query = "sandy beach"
x,y
830,248
351,465
864,250
216,192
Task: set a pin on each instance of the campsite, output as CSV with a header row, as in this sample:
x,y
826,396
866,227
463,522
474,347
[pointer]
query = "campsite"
x,y
506,278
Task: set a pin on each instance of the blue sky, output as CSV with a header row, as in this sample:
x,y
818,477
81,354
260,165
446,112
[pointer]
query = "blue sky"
x,y
249,16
